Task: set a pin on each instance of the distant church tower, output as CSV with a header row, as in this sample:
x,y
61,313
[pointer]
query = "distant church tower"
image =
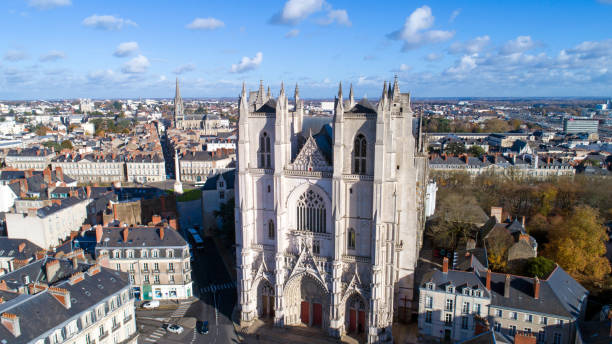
x,y
179,114
329,216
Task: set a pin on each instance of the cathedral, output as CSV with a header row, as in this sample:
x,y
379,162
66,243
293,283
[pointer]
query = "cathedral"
x,y
329,212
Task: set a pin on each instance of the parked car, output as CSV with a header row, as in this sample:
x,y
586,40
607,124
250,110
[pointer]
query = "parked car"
x,y
150,305
202,327
178,329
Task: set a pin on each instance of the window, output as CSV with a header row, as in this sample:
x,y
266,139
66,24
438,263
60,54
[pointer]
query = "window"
x,y
156,279
428,301
466,307
170,266
221,184
512,330
497,327
541,336
557,338
144,253
171,279
428,316
448,319
221,194
529,318
117,254
311,212
514,315
450,289
316,247
155,253
264,151
527,330
146,279
132,267
544,320
101,330
156,266
271,229
351,239
170,253
477,308
560,322
118,267
500,313
130,254
430,286
145,266
359,155
465,321
449,305
132,279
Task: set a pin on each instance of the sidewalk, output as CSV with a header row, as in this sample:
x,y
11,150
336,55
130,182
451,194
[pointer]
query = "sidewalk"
x,y
265,332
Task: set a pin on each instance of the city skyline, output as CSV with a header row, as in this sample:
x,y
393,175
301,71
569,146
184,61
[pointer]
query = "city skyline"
x,y
73,49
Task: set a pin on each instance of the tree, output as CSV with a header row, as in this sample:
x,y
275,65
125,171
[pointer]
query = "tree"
x,y
539,267
496,125
578,245
515,124
52,144
117,105
66,144
457,217
476,151
455,148
40,130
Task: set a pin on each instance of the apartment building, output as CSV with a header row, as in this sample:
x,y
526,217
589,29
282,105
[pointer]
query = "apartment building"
x,y
198,166
70,302
157,259
142,169
29,158
104,168
451,301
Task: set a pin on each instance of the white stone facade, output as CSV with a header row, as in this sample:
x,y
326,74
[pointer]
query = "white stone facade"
x,y
329,242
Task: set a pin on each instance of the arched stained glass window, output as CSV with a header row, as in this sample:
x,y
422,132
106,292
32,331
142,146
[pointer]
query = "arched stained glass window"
x,y
311,214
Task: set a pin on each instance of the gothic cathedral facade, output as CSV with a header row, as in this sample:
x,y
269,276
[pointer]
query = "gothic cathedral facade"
x,y
328,223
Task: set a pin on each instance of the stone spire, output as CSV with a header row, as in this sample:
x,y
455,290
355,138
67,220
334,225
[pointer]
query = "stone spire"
x,y
339,106
351,98
269,94
396,91
259,101
178,104
178,186
298,111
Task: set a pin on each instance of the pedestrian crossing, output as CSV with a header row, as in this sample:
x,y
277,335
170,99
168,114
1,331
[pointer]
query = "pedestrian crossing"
x,y
216,287
155,336
181,310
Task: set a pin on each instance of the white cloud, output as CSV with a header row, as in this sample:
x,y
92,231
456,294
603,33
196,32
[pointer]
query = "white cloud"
x,y
102,75
126,49
48,4
52,55
186,68
433,57
454,15
518,45
472,46
246,63
415,32
14,55
137,65
205,24
295,11
336,16
107,22
466,64
292,33
404,67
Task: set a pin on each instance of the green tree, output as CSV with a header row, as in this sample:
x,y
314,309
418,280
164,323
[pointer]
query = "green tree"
x,y
455,148
66,144
52,144
476,151
117,105
457,217
40,130
496,125
540,267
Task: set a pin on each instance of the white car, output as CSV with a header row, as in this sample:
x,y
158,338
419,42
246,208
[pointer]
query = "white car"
x,y
150,304
178,329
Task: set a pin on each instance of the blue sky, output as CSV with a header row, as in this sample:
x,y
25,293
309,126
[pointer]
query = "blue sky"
x,y
126,49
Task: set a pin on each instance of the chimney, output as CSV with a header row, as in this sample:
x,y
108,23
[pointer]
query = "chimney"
x,y
59,173
88,188
22,247
445,265
11,322
156,219
47,175
507,286
94,269
161,233
173,223
62,295
115,215
51,269
75,263
99,232
488,280
126,231
536,288
497,213
76,278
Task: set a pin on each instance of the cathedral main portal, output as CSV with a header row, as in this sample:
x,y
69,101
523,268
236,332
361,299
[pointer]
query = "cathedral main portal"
x,y
306,301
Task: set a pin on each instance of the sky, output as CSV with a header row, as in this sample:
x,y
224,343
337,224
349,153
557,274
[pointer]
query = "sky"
x,y
53,49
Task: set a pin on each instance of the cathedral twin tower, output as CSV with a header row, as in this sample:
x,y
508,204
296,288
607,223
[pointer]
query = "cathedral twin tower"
x,y
329,212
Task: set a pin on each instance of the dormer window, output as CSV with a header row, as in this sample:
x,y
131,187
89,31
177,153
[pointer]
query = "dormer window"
x,y
466,291
450,289
144,253
478,293
430,285
155,253
116,254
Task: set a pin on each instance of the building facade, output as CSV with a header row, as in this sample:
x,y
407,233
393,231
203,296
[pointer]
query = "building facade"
x,y
30,158
157,260
328,223
579,126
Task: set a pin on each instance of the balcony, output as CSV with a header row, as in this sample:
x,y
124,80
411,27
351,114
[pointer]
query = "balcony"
x,y
116,326
171,271
103,336
127,319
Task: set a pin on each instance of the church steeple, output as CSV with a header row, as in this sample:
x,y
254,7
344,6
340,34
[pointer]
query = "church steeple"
x,y
178,105
351,98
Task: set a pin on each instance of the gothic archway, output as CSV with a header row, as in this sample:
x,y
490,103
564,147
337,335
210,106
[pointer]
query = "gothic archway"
x,y
306,301
265,299
355,313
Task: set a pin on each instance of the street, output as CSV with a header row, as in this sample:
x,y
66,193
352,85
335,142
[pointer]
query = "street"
x,y
217,297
